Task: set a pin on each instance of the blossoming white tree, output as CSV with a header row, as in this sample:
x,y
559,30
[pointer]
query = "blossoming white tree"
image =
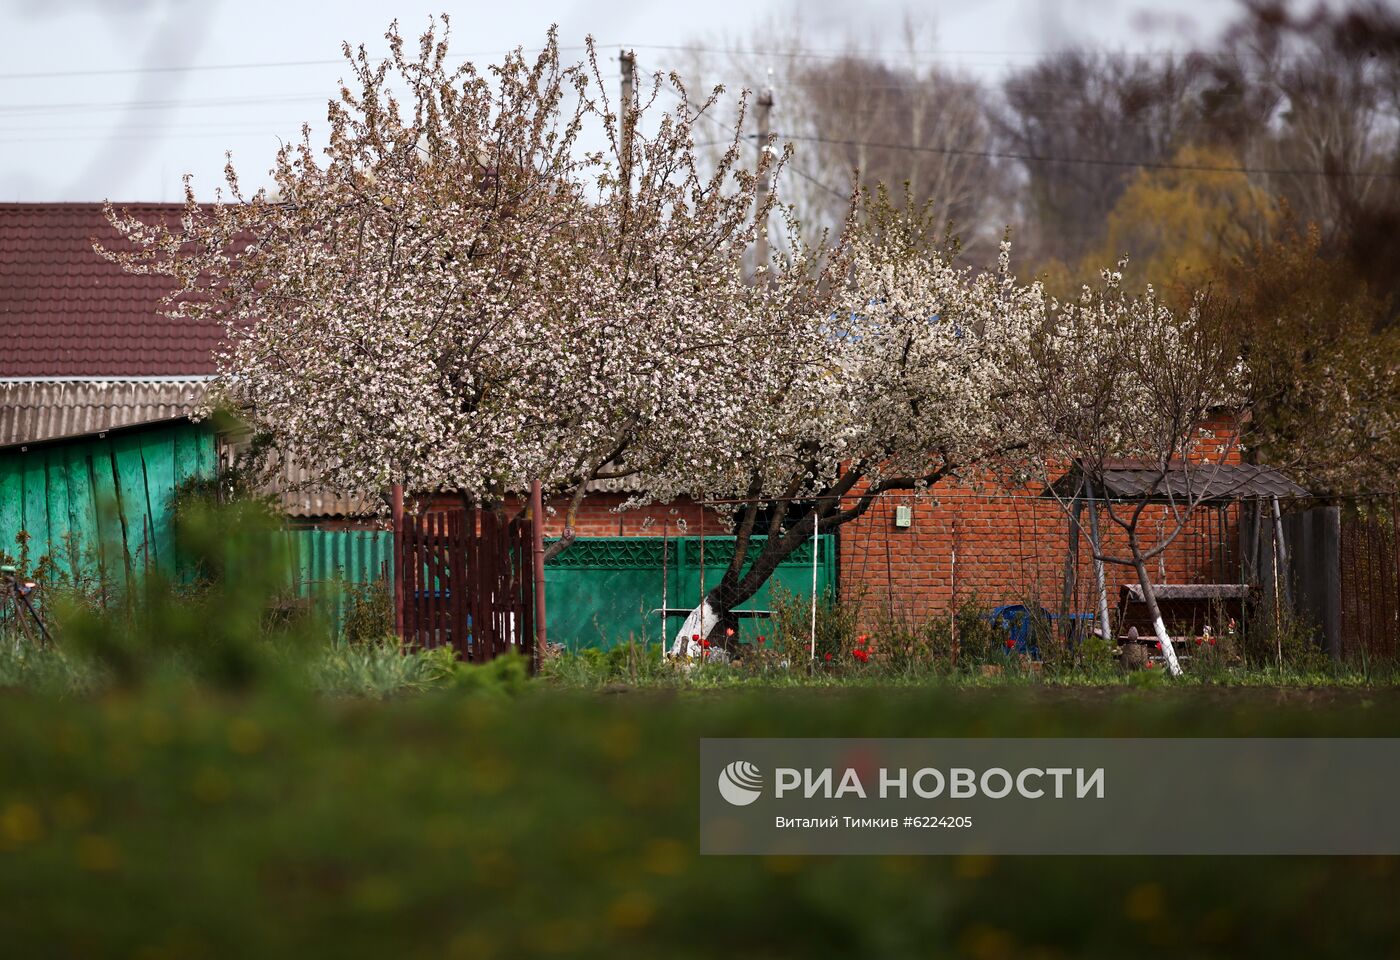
x,y
1114,380
912,366
461,295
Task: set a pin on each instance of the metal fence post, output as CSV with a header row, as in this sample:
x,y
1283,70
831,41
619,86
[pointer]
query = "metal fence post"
x,y
397,565
537,533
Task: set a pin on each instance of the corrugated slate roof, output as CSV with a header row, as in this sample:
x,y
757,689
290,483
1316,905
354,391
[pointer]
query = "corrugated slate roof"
x,y
67,312
35,410
302,496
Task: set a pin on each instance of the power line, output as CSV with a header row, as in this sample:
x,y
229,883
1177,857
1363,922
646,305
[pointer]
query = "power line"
x,y
1002,57
859,54
189,68
145,137
25,110
1098,161
813,180
205,67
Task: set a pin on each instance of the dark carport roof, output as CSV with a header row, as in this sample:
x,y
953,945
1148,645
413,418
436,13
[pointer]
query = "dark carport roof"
x,y
1198,482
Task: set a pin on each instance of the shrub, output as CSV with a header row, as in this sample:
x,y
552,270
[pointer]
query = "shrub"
x,y
369,614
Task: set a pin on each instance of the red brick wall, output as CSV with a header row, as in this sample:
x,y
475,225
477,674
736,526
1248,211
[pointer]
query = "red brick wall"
x,y
599,517
998,545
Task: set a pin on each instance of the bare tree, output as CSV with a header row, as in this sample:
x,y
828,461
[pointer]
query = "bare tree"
x,y
1329,143
865,116
1080,123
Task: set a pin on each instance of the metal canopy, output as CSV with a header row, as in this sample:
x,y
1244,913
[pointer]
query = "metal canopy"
x,y
1202,483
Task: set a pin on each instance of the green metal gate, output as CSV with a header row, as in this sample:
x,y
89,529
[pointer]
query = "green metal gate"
x,y
602,590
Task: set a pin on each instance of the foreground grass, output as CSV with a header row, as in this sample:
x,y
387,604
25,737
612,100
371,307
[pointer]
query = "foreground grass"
x,y
174,820
643,668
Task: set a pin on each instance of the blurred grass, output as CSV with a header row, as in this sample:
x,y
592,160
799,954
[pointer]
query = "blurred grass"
x,y
643,666
171,820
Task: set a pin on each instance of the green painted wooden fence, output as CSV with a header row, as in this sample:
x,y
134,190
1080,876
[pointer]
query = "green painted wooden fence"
x,y
601,590
99,508
100,504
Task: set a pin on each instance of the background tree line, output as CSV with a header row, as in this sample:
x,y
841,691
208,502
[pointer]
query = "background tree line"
x,y
1264,165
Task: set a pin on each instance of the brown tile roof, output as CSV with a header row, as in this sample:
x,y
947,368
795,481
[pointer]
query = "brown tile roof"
x,y
67,312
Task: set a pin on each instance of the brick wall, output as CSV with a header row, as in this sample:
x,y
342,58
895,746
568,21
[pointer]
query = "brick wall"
x,y
998,546
994,544
599,516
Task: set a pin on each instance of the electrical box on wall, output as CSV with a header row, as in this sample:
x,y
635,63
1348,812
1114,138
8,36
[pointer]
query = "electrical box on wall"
x,y
904,516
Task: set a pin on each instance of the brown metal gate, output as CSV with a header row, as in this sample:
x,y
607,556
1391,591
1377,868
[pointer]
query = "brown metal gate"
x,y
464,579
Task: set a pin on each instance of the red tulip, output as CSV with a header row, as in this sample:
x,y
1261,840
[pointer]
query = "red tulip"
x,y
828,658
1010,644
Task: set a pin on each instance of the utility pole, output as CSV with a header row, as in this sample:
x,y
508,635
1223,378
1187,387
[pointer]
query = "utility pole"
x,y
763,114
625,120
629,73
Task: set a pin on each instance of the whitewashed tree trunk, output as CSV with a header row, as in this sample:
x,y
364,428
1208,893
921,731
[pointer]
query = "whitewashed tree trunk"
x,y
1100,584
1158,627
699,623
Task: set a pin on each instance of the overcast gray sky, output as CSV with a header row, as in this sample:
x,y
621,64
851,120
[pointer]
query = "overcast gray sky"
x,y
84,116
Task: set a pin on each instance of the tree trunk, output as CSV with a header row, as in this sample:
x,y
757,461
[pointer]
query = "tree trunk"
x,y
1100,584
1071,576
697,627
714,608
1149,595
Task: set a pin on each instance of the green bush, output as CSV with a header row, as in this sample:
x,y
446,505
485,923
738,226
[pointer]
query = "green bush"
x,y
226,618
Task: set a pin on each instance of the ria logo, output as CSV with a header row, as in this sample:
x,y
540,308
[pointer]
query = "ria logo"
x,y
740,783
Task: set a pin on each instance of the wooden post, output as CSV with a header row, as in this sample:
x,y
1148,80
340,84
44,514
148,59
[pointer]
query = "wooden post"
x,y
397,500
537,534
1281,555
816,531
1332,581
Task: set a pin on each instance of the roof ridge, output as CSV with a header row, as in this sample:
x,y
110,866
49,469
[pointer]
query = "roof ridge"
x,y
95,204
